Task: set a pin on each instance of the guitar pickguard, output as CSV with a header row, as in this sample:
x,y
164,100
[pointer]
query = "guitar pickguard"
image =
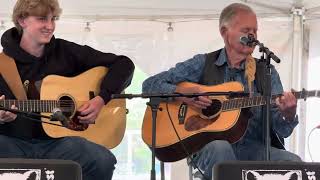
x,y
204,119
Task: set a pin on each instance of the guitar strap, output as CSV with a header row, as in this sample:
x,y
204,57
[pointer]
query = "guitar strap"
x,y
9,72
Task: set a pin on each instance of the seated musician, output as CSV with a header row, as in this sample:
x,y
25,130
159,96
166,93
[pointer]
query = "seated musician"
x,y
232,63
37,53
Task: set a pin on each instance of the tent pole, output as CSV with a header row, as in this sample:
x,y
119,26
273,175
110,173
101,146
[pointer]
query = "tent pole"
x,y
298,80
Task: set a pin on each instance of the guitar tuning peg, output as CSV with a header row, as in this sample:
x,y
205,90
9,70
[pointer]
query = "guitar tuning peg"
x,y
304,93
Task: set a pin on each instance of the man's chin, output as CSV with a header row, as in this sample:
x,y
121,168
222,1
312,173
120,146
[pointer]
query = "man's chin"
x,y
45,41
249,50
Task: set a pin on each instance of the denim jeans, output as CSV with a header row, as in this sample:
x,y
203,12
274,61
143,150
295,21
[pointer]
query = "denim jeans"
x,y
219,151
96,161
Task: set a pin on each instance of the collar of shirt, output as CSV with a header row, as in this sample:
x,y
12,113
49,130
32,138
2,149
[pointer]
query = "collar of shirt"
x,y
223,59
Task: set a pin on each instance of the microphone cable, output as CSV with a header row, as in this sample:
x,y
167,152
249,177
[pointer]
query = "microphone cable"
x,y
309,150
183,146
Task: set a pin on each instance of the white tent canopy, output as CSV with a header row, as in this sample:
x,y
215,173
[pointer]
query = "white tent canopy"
x,y
156,9
139,29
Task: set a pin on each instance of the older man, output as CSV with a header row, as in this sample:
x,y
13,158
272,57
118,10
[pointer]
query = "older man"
x,y
232,63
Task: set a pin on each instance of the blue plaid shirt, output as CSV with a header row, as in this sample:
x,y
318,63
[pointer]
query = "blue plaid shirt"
x,y
191,71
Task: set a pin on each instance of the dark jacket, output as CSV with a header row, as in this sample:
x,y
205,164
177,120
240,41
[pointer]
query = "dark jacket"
x,y
63,58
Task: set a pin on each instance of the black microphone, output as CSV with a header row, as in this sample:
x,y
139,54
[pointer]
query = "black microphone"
x,y
251,41
57,115
248,40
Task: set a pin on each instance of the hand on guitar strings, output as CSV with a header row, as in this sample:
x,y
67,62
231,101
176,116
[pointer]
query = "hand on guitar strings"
x,y
201,102
287,104
6,116
89,111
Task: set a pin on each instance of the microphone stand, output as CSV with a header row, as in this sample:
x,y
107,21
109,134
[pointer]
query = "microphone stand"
x,y
30,115
154,102
266,57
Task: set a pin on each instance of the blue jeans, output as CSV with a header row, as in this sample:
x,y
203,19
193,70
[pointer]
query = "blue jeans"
x,y
219,151
96,161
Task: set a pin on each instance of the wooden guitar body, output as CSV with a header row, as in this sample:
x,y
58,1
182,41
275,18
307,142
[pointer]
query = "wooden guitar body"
x,y
194,130
111,122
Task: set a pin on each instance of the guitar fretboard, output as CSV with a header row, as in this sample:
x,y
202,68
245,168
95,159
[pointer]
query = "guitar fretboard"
x,y
35,105
237,103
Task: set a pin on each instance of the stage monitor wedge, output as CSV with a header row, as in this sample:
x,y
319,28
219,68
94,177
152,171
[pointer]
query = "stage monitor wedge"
x,y
266,170
39,169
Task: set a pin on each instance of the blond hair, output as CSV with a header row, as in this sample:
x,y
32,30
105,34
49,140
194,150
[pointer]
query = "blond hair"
x,y
230,11
25,8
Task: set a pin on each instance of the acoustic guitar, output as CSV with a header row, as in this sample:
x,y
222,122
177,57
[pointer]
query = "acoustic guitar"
x,y
225,119
68,94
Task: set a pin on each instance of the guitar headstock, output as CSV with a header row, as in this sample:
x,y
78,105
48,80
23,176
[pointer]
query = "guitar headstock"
x,y
304,94
317,93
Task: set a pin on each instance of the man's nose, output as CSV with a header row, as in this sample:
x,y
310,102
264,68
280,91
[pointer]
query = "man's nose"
x,y
50,24
252,33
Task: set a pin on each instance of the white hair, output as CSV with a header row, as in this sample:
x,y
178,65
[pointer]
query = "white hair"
x,y
230,11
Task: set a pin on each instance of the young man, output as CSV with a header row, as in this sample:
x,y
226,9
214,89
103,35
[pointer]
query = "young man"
x,y
231,63
38,54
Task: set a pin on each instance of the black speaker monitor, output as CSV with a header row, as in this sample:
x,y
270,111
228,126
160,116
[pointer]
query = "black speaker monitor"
x,y
39,169
266,170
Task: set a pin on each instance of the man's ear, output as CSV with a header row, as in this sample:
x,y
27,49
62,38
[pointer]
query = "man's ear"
x,y
21,22
223,31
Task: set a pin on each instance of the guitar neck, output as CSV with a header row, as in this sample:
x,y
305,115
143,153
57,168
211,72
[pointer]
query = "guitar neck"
x,y
31,105
246,102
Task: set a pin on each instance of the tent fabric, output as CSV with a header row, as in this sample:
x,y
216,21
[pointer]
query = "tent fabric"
x,y
166,8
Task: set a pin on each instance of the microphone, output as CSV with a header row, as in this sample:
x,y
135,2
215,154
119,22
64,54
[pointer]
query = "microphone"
x,y
57,115
251,41
248,40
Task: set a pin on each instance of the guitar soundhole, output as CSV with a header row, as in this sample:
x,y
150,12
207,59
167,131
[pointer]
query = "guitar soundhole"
x,y
68,108
213,109
67,105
